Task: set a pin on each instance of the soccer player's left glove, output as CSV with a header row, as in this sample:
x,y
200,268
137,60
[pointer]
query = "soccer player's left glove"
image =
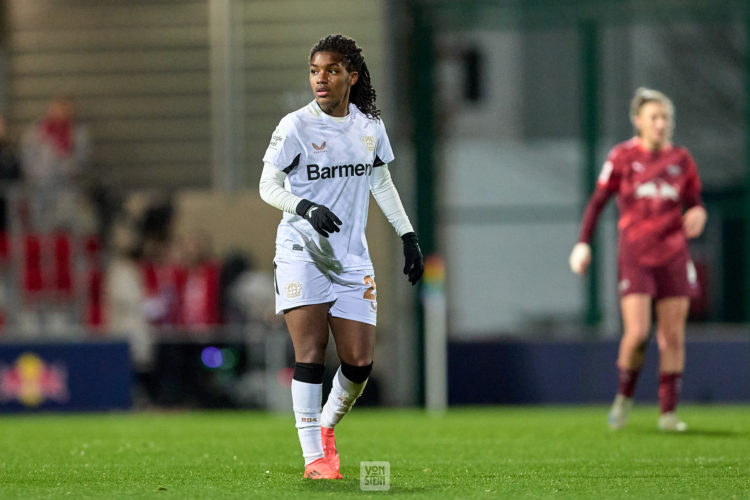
x,y
414,266
580,258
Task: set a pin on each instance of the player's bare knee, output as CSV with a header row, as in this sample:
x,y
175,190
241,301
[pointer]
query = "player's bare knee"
x,y
670,340
310,353
364,359
354,355
637,336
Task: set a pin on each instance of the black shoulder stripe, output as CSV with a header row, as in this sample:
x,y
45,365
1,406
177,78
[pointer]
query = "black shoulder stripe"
x,y
378,162
294,163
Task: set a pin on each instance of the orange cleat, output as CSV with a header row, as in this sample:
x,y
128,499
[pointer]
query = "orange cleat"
x,y
321,469
329,447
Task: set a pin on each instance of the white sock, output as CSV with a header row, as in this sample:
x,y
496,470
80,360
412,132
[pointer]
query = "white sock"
x,y
306,400
343,395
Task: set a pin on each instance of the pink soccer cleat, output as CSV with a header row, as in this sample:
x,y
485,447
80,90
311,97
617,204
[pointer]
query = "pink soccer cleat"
x,y
329,447
321,469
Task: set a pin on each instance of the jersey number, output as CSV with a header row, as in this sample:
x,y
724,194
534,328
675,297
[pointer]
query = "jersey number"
x,y
370,292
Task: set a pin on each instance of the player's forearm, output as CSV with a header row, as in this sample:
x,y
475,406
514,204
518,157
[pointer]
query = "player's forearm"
x,y
591,214
386,195
272,190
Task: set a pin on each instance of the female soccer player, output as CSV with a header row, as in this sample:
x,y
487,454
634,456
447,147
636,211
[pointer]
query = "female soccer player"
x,y
654,181
319,169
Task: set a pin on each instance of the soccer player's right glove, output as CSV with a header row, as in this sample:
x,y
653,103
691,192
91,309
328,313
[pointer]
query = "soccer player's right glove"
x,y
319,216
414,266
580,258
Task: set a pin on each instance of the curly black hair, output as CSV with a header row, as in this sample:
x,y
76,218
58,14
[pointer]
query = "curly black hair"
x,y
361,94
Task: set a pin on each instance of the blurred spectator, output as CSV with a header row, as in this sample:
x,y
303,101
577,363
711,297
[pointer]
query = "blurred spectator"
x,y
10,173
105,205
93,283
234,265
57,148
55,153
200,298
156,222
124,292
245,293
151,218
46,278
164,280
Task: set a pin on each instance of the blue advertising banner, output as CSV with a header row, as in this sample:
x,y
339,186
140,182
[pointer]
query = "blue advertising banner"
x,y
550,372
82,376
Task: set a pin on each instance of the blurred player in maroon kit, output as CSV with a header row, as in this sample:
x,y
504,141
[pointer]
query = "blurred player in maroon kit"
x,y
654,182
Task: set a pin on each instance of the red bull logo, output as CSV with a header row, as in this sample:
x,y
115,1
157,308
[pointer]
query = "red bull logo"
x,y
31,381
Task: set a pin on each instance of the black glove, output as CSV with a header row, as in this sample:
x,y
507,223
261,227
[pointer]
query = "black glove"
x,y
414,266
320,218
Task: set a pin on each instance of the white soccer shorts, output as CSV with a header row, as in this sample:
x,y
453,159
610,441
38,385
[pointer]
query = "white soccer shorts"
x,y
352,293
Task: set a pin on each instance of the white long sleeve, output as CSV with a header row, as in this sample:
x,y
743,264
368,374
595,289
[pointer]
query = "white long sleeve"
x,y
272,189
385,193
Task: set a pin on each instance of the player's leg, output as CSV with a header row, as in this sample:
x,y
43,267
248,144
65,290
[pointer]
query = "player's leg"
x,y
304,294
352,320
308,328
636,319
675,282
671,314
355,343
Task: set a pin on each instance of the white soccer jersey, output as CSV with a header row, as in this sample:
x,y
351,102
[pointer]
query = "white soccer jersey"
x,y
329,162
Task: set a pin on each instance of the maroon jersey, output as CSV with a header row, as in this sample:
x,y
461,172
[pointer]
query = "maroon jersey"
x,y
653,188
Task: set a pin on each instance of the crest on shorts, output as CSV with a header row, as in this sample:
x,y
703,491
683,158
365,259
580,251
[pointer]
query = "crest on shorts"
x,y
624,285
293,290
369,142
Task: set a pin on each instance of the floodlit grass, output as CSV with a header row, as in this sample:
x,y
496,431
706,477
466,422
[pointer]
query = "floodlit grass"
x,y
509,452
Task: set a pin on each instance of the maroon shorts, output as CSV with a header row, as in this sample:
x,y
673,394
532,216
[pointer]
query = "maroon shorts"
x,y
676,278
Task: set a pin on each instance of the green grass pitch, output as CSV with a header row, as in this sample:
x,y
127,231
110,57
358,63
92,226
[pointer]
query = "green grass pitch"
x,y
508,452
